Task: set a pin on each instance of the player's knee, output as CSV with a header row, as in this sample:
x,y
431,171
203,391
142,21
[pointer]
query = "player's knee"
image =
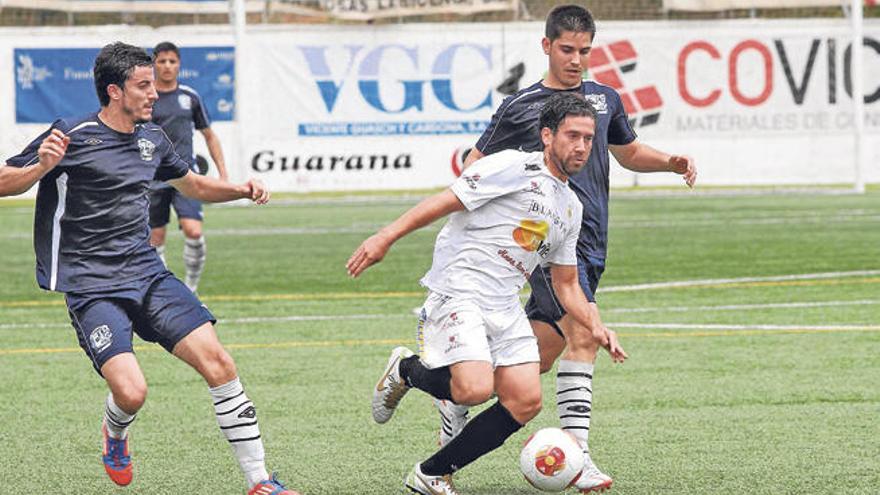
x,y
472,392
218,367
131,396
525,408
192,232
581,339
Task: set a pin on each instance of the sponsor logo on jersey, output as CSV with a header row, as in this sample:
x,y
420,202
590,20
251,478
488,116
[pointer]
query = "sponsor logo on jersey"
x,y
515,263
532,167
472,180
93,141
101,338
147,148
531,234
185,102
534,188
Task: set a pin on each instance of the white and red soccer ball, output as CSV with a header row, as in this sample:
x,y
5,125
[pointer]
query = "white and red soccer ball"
x,y
551,460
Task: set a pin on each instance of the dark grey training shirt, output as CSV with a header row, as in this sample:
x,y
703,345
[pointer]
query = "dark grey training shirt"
x,y
90,225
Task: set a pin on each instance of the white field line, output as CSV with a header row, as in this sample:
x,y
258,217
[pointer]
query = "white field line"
x,y
658,309
738,280
366,228
711,326
741,307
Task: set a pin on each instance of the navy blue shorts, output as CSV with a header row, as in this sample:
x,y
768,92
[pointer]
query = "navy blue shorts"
x,y
543,305
159,309
161,201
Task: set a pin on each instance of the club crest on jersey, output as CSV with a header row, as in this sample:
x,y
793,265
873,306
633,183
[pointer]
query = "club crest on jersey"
x,y
101,338
598,102
185,102
147,148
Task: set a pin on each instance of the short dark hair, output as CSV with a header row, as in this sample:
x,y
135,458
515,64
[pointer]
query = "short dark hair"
x,y
114,65
563,104
165,46
572,18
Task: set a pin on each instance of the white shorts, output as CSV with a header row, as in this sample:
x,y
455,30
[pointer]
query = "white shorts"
x,y
453,330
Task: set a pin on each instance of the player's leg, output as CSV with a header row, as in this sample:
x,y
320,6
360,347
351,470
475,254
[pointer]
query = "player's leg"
x,y
104,331
518,386
181,324
574,379
195,249
160,214
454,362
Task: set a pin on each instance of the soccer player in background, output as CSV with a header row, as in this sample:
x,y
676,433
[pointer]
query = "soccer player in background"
x,y
569,34
91,238
509,213
180,112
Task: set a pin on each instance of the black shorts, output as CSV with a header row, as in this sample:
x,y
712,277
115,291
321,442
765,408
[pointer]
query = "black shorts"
x,y
543,305
161,201
159,309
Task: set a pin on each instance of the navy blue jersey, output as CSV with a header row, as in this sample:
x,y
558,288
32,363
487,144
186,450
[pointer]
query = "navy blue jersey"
x,y
180,113
515,126
90,224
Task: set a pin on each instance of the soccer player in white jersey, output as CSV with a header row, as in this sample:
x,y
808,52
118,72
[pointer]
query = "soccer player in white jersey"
x,y
509,213
91,241
569,34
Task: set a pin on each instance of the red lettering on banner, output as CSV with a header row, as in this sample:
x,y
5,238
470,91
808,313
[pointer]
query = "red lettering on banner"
x,y
768,72
682,74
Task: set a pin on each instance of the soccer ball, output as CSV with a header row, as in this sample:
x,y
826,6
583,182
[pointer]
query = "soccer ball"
x,y
551,460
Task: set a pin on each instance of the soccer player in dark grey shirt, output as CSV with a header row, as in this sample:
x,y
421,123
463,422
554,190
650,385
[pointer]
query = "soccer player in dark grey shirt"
x,y
91,240
569,34
180,112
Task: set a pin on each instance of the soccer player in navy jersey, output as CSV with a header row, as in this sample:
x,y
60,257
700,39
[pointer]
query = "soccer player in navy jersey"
x,y
91,239
569,34
180,112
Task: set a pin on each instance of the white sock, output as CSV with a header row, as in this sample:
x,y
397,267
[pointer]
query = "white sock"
x,y
116,419
160,250
194,254
574,398
237,418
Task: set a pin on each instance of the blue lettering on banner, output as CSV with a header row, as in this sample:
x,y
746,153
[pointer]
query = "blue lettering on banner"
x,y
325,129
365,64
58,82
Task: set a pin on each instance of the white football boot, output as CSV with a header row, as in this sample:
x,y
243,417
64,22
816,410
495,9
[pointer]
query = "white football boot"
x,y
591,479
391,387
453,417
421,483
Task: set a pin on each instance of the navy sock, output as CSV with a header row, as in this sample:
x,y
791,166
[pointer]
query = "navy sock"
x,y
436,382
481,435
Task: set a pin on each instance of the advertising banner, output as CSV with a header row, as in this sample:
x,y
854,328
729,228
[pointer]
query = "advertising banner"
x,y
397,107
53,82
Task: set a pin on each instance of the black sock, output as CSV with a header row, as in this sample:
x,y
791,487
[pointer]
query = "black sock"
x,y
481,435
436,382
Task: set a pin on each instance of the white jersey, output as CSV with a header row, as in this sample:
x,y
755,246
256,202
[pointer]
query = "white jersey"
x,y
517,216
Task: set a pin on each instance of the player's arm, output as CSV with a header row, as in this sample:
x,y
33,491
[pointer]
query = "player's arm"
x,y
639,157
216,152
372,250
473,155
575,303
16,180
211,190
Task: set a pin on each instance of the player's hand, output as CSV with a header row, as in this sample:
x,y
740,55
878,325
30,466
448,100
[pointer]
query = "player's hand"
x,y
615,350
600,335
257,191
52,149
370,252
684,166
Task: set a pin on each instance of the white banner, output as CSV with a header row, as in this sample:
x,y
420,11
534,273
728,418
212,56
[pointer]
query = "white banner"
x,y
135,6
392,107
362,10
716,5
